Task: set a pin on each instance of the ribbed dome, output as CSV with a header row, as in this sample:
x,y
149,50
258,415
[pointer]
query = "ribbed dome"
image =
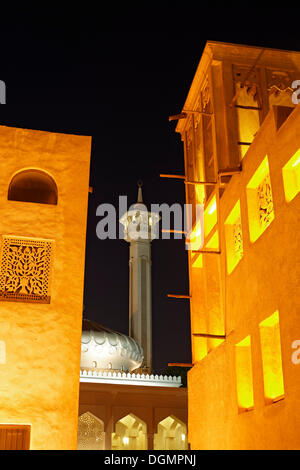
x,y
103,348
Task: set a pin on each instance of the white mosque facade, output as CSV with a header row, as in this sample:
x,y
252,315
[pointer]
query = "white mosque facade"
x,y
122,404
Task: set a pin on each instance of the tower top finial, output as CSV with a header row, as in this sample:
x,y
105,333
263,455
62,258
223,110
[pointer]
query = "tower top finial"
x,y
140,195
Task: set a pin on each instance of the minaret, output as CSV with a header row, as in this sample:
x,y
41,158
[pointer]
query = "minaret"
x,y
139,231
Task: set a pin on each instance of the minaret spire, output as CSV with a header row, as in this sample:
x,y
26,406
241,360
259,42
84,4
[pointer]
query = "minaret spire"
x,y
139,231
140,194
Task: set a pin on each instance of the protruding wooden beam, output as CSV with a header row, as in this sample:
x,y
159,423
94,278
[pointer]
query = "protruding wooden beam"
x,y
207,252
206,183
173,231
182,177
178,296
231,171
207,335
180,364
175,117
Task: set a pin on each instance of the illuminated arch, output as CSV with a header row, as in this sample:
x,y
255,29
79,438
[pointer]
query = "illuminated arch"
x,y
32,185
171,434
130,434
91,435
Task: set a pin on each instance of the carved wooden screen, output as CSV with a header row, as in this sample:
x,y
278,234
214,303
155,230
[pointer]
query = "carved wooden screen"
x,y
91,435
25,269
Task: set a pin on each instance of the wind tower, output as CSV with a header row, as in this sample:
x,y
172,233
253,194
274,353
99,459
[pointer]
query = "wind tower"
x,y
139,230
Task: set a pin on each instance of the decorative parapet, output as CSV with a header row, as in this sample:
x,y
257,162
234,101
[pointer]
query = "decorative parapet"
x,y
129,378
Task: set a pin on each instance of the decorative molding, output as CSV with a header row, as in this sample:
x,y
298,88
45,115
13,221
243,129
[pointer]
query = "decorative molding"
x,y
25,269
238,238
130,379
265,202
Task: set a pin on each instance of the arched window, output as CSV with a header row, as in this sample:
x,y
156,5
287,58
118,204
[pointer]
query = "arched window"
x,y
91,435
171,435
33,186
131,434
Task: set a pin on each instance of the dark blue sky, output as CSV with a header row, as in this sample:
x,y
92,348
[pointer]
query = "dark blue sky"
x,y
117,75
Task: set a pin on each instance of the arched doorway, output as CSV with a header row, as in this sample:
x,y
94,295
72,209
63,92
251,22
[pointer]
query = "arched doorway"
x,y
130,434
91,435
171,435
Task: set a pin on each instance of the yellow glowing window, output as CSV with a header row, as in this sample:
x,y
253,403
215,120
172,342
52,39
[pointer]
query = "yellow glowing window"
x,y
248,116
291,177
197,260
271,358
260,201
244,380
210,216
213,243
195,238
234,238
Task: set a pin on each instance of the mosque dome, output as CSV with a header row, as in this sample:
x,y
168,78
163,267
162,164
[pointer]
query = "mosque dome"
x,y
105,349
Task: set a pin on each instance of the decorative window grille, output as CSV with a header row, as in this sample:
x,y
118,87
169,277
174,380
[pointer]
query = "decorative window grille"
x,y
91,435
238,239
265,202
25,269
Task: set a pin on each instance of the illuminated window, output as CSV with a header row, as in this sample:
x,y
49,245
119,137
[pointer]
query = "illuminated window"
x,y
171,435
271,358
213,243
33,186
91,435
234,238
248,115
243,365
210,216
291,177
197,260
130,434
260,201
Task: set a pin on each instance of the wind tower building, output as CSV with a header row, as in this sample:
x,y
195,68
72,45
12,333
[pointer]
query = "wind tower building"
x,y
240,129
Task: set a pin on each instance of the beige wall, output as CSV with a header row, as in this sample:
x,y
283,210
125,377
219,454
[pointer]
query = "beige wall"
x,y
40,378
265,280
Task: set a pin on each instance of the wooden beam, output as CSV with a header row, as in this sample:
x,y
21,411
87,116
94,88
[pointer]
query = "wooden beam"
x,y
230,171
207,252
207,335
207,183
173,231
182,177
180,364
177,296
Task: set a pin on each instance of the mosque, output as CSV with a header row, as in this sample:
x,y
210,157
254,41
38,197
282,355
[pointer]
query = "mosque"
x,y
68,383
122,405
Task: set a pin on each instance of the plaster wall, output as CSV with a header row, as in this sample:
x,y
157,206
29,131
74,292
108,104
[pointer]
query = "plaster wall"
x,y
265,280
39,382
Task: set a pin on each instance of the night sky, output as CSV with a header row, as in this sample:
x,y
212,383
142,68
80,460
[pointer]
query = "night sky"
x,y
117,75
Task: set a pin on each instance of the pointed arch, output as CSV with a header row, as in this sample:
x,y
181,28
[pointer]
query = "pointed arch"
x,y
171,434
33,185
130,434
91,435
